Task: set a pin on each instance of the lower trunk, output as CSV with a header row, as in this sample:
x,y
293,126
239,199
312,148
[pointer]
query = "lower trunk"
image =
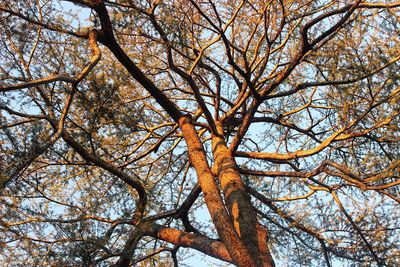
x,y
241,240
212,197
238,203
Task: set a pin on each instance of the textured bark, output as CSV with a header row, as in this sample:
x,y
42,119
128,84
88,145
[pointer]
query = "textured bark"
x,y
238,251
265,254
199,242
237,201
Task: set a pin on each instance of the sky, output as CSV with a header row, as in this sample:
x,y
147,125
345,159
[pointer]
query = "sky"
x,y
201,214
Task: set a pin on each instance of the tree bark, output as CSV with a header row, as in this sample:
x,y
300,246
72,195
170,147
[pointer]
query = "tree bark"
x,y
195,241
235,246
238,203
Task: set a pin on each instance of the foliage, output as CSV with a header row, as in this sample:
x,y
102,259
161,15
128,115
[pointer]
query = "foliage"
x,y
130,130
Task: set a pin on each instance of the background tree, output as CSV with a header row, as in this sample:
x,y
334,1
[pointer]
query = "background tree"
x,y
123,121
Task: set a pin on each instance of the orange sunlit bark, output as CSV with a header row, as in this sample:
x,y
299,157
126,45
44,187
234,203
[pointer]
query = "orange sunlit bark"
x,y
234,245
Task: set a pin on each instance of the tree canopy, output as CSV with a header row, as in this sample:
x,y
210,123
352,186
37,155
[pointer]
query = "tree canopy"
x,y
143,132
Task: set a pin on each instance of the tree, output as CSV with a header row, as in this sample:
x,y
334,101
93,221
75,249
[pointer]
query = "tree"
x,y
121,120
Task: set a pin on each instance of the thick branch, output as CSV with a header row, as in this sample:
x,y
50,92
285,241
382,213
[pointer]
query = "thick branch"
x,y
112,44
199,242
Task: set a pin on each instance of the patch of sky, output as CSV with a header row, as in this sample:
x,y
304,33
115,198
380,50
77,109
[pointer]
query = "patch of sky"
x,y
83,13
